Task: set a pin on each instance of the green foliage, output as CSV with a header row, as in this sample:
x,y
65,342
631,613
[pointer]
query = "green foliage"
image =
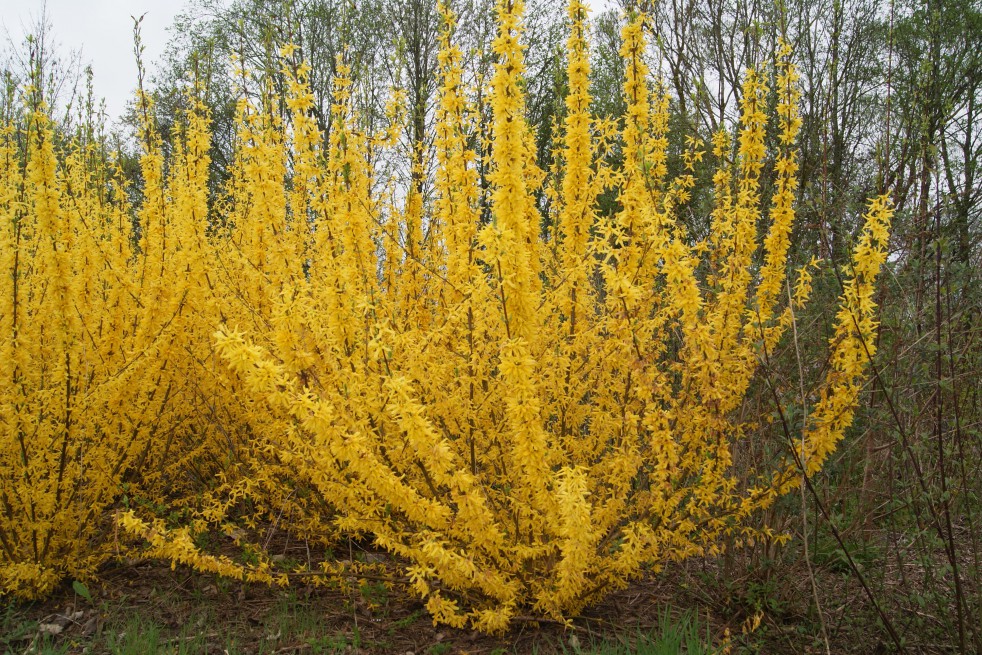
x,y
675,634
138,636
83,591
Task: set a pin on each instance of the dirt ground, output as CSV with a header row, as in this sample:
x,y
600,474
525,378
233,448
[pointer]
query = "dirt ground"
x,y
143,606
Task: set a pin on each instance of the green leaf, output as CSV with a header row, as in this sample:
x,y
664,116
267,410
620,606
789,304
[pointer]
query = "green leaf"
x,y
82,590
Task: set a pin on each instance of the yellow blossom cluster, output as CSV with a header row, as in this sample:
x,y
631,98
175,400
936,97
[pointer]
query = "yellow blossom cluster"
x,y
94,321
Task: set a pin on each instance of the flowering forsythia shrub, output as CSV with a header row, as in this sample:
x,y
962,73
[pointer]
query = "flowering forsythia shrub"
x,y
527,418
92,330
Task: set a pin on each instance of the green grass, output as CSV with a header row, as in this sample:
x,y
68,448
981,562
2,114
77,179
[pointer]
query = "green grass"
x,y
673,636
18,634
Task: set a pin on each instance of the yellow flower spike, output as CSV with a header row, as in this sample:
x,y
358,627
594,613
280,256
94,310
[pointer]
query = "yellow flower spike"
x,y
515,220
853,342
578,193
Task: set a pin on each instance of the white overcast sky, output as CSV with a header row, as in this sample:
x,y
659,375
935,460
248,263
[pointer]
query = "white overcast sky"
x,y
102,31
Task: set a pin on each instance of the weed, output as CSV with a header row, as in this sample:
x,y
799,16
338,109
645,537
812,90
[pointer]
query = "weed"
x,y
406,621
674,635
15,628
375,594
138,637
